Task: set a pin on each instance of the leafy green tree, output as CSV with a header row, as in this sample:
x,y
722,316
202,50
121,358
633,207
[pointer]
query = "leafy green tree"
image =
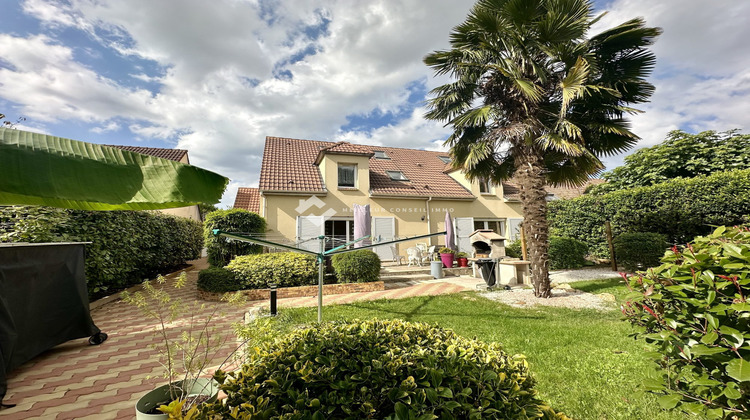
x,y
535,99
681,155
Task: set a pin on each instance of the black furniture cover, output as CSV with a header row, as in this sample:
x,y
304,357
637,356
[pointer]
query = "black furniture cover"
x,y
487,267
43,301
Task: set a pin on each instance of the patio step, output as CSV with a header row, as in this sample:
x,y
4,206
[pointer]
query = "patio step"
x,y
403,271
402,278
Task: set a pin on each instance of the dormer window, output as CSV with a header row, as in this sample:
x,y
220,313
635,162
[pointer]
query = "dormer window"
x,y
397,175
445,159
485,186
347,175
380,154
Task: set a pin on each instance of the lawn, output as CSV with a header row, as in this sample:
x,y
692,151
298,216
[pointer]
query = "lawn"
x,y
583,360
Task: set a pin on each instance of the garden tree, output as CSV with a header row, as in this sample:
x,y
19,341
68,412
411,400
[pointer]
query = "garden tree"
x,y
535,99
681,155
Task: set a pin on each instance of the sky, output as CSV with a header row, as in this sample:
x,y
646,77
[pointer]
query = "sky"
x,y
217,77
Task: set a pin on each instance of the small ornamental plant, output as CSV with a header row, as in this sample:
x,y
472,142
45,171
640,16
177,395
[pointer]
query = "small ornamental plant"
x,y
446,250
694,310
462,255
187,356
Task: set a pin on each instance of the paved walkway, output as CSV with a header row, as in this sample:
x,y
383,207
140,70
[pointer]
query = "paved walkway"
x,y
79,381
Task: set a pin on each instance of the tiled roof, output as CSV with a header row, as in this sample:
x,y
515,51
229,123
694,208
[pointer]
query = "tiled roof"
x,y
512,192
343,148
171,154
248,199
289,165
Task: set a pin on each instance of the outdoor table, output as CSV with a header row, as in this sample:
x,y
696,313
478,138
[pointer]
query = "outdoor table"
x,y
43,301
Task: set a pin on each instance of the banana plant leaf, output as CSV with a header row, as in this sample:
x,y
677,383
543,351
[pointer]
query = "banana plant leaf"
x,y
39,169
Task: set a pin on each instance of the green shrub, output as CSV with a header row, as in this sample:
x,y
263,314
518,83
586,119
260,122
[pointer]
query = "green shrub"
x,y
566,253
693,309
126,246
513,249
380,370
285,269
639,250
222,250
356,266
446,250
218,280
680,209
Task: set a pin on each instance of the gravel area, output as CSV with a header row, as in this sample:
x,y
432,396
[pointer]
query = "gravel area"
x,y
562,295
561,298
588,273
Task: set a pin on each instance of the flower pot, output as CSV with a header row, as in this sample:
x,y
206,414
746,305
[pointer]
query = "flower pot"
x,y
447,260
462,262
159,396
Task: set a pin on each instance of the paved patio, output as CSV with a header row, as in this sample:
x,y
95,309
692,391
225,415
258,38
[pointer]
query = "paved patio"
x,y
79,381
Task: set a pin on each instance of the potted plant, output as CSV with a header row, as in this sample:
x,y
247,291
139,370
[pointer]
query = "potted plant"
x,y
462,259
446,256
186,356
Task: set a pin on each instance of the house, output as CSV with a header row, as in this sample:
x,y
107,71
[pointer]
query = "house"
x,y
308,188
177,155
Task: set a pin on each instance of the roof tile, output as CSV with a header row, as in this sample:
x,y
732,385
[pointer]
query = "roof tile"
x,y
248,199
289,165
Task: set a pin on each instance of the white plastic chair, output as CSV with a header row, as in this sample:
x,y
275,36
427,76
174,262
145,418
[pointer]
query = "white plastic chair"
x,y
414,255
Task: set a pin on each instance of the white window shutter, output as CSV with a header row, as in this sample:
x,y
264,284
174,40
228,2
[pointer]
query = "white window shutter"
x,y
383,230
309,228
464,229
514,231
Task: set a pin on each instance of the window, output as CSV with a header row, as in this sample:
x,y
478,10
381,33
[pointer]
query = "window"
x,y
445,159
379,154
484,186
397,175
340,232
347,175
497,226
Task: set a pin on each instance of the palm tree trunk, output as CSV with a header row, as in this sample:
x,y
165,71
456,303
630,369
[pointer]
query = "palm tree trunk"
x,y
531,179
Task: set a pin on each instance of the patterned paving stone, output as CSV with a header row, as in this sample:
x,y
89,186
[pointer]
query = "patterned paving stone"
x,y
78,381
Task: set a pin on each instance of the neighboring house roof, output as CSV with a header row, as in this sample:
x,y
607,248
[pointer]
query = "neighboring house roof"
x,y
171,154
289,165
512,191
248,199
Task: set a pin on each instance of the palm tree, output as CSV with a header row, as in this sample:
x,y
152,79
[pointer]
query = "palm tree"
x,y
535,99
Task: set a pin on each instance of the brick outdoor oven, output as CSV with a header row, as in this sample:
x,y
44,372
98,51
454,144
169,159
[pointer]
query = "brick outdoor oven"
x,y
487,244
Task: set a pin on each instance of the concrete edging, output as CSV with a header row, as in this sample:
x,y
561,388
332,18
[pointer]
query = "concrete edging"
x,y
300,291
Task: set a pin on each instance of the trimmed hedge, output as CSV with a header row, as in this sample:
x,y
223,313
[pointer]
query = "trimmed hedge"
x,y
218,280
513,249
127,246
639,250
566,253
356,266
285,269
680,209
693,312
379,370
222,250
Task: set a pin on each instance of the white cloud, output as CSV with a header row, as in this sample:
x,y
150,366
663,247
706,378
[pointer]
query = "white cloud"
x,y
216,94
701,77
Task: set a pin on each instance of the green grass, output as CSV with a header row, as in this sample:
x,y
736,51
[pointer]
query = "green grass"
x,y
583,360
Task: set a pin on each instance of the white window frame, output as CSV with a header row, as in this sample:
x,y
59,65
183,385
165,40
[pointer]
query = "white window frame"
x,y
401,178
503,224
383,156
345,165
488,186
